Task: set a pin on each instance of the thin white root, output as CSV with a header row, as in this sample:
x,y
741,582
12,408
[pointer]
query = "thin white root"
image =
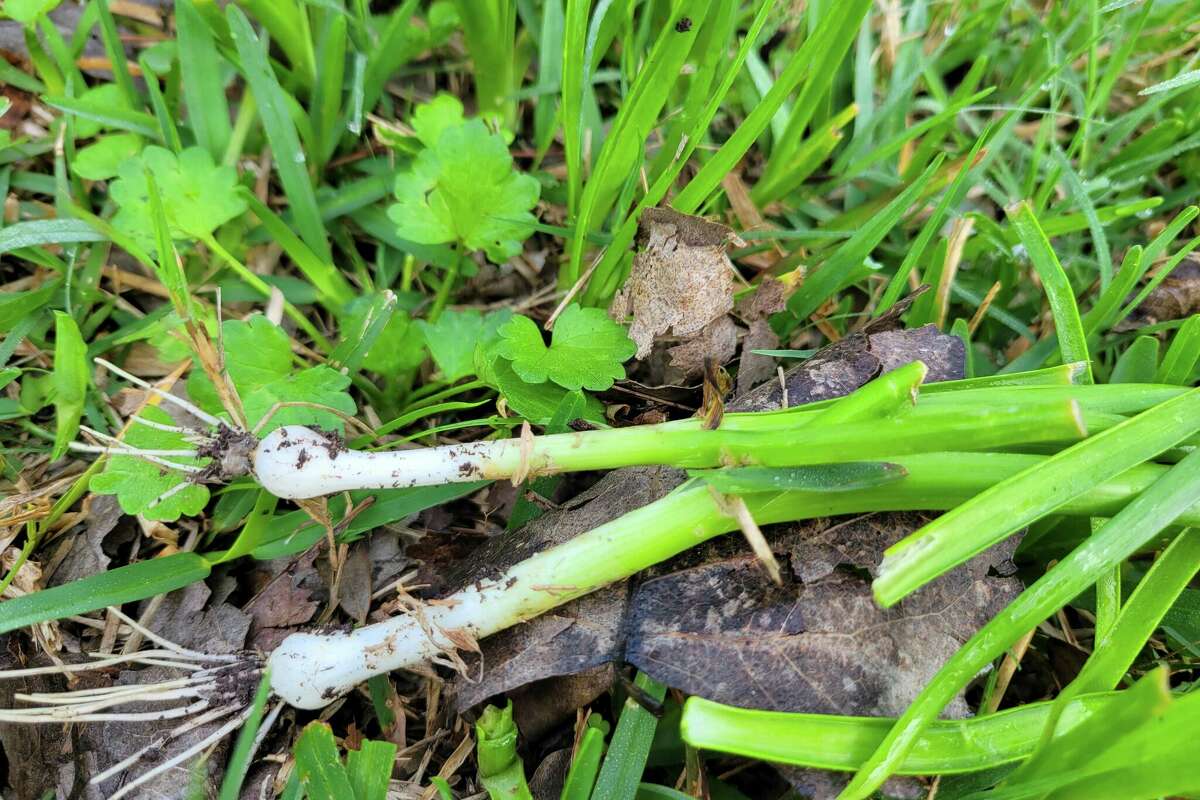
x,y
101,662
117,447
169,493
170,763
168,644
264,729
191,408
69,714
158,742
128,450
159,426
216,689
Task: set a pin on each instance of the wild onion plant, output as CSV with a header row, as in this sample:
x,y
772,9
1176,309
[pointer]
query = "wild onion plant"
x,y
873,450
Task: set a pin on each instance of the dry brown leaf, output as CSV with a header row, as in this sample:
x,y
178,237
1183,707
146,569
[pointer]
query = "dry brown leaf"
x,y
770,297
818,643
681,280
716,342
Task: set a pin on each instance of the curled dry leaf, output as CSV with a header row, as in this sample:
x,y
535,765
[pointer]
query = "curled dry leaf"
x,y
681,280
770,297
716,342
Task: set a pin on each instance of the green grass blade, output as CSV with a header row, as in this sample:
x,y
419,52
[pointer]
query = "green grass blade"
x,y
574,68
287,23
321,770
70,380
288,156
1007,507
46,231
1062,375
115,49
330,281
138,122
1071,340
581,777
1160,275
630,746
1080,195
625,233
826,741
200,75
1131,528
897,142
239,761
112,588
166,121
818,286
489,30
388,55
814,62
1179,364
1140,616
370,769
1090,751
1102,314
624,146
325,110
1138,364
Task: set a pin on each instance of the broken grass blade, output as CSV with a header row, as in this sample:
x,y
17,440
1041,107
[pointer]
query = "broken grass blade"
x,y
826,741
1008,506
888,394
1138,523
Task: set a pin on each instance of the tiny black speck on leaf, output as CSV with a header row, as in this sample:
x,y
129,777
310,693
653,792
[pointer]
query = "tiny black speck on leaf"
x,y
684,25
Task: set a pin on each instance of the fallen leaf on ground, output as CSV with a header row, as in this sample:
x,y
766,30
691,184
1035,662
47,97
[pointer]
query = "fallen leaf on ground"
x,y
818,643
186,618
717,342
681,278
285,601
354,586
86,556
755,309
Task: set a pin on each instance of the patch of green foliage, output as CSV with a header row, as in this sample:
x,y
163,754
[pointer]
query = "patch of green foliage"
x,y
300,183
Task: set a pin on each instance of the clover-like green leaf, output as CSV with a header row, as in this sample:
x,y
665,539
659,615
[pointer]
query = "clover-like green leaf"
x,y
258,358
585,352
400,346
464,189
430,119
138,483
197,195
452,341
102,159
